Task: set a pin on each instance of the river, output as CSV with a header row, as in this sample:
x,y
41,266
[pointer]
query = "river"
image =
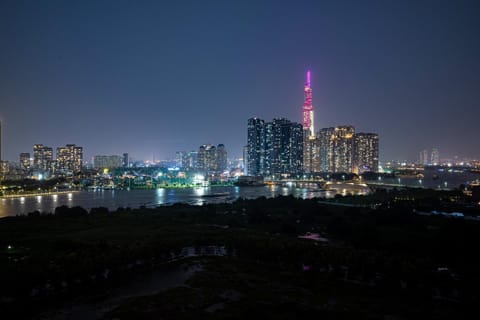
x,y
113,199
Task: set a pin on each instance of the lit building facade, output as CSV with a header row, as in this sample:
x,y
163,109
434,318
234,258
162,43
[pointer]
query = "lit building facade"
x,y
342,146
308,116
335,149
212,160
366,152
325,149
25,161
311,162
42,157
274,148
190,161
255,146
107,162
69,158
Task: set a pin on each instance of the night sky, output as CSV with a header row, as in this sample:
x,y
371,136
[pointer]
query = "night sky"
x,y
153,77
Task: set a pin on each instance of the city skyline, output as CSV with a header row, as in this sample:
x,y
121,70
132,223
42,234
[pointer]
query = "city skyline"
x,y
150,79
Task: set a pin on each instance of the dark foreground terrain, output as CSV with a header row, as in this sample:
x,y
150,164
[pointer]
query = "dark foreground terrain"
x,y
239,260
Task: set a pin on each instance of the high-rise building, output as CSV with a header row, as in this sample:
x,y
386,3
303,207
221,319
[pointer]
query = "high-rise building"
x,y
336,149
107,162
366,152
256,146
211,160
42,157
310,142
190,161
126,160
245,160
325,149
342,145
435,157
69,158
221,158
308,108
286,153
423,157
179,156
25,161
274,148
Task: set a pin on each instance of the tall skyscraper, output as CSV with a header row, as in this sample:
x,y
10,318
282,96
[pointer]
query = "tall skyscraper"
x,y
42,157
256,146
221,158
245,160
275,148
69,158
325,149
343,143
287,148
423,157
336,149
308,108
366,152
310,142
435,157
212,160
126,160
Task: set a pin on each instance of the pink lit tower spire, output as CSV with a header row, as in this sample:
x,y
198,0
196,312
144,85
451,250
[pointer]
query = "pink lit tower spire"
x,y
308,108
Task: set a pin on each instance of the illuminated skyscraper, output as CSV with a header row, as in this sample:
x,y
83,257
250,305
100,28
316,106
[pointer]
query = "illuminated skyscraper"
x,y
310,142
342,146
325,149
69,158
42,157
336,149
366,152
255,146
212,160
308,108
275,148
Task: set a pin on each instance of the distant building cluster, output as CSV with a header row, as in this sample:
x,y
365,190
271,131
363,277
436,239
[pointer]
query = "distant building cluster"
x,y
68,161
431,157
282,148
208,160
279,148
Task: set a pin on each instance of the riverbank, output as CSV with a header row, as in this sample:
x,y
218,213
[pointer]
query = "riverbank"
x,y
37,193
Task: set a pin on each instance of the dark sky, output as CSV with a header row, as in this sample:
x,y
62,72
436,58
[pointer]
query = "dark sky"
x,y
154,77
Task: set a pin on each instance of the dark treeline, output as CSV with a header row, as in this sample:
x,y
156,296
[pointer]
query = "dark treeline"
x,y
376,262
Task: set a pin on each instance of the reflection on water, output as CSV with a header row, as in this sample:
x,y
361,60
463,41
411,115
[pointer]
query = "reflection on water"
x,y
150,198
112,199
